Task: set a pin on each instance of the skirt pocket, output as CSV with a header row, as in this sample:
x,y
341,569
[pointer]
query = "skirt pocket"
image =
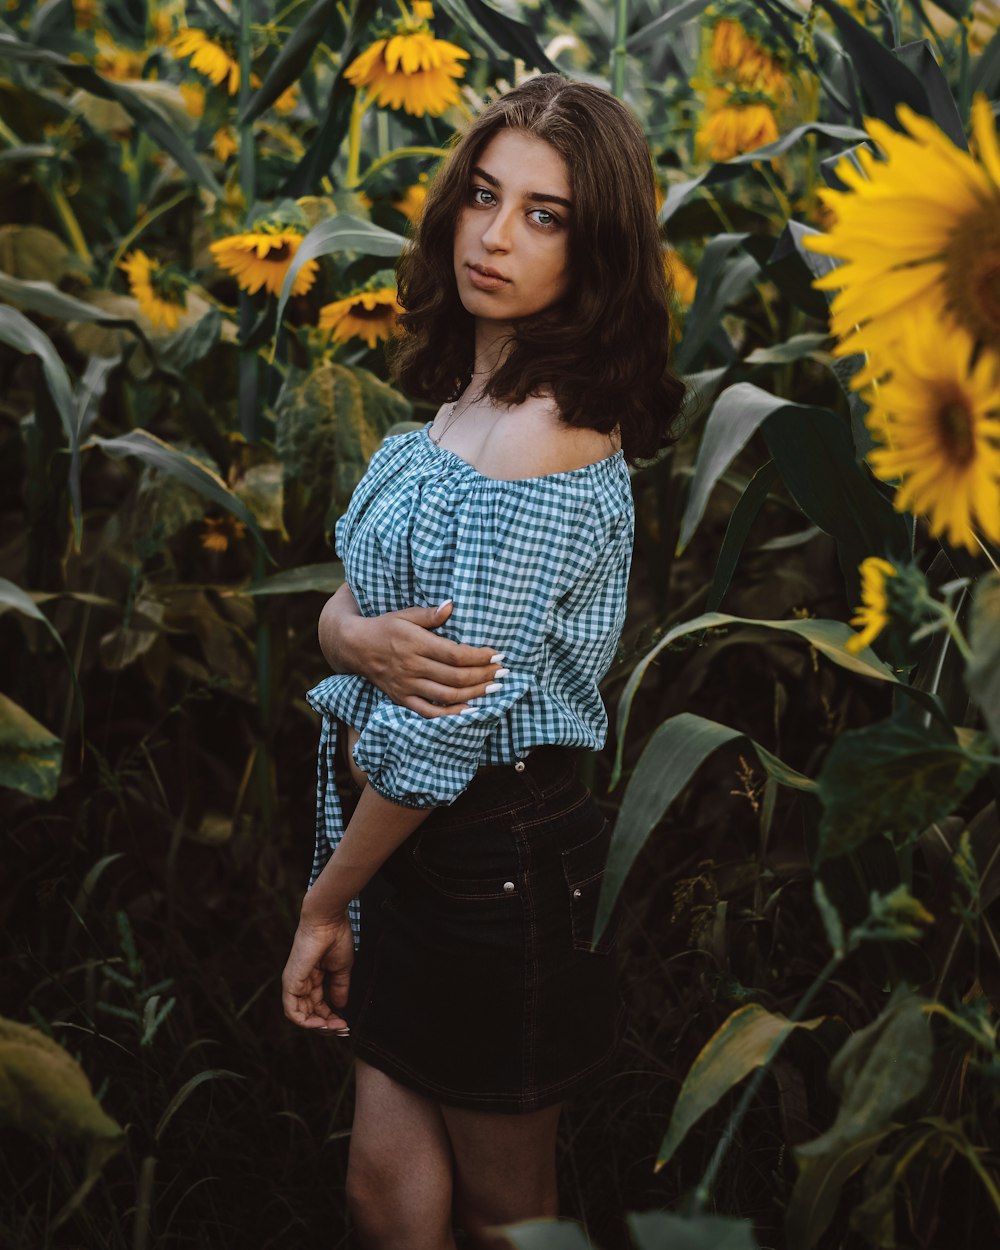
x,y
583,872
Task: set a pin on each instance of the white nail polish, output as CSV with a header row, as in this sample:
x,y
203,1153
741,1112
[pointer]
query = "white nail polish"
x,y
502,672
497,659
494,685
466,709
443,604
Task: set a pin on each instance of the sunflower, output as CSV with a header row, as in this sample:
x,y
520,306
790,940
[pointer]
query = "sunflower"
x,y
84,13
218,532
160,290
873,615
115,62
921,226
224,143
937,420
729,129
208,57
193,94
410,69
683,279
261,257
369,315
410,201
738,57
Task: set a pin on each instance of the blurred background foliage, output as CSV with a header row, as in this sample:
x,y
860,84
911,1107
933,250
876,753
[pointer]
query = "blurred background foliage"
x,y
201,204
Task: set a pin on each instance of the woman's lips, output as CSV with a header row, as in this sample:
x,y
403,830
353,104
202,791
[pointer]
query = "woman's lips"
x,y
485,280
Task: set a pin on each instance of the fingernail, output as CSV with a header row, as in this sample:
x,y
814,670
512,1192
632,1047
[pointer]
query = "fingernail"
x,y
443,605
342,1032
502,672
494,685
466,709
497,659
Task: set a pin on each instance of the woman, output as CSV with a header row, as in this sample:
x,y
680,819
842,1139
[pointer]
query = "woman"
x,y
537,307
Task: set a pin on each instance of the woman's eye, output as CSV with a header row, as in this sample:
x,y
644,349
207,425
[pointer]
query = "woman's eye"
x,y
478,194
544,217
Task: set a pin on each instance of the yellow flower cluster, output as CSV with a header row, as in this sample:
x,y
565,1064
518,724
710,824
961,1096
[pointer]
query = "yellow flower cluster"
x,y
919,294
262,257
369,315
159,291
748,85
873,615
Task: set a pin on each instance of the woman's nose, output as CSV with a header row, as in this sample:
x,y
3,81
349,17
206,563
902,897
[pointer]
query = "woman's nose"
x,y
496,234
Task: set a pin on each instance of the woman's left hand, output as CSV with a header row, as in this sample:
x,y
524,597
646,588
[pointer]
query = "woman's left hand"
x,y
319,948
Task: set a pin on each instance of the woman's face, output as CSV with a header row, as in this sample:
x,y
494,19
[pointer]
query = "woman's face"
x,y
512,238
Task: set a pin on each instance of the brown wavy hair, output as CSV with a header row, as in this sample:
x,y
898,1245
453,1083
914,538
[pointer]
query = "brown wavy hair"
x,y
603,348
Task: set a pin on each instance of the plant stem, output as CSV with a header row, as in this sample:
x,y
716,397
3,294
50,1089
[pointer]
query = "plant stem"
x,y
398,154
618,51
146,220
351,178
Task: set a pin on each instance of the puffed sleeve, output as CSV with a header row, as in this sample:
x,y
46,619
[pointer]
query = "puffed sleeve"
x,y
553,601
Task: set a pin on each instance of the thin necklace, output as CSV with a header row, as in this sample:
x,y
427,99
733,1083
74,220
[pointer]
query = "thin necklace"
x,y
453,416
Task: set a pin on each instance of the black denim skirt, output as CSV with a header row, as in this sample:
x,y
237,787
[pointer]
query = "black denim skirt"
x,y
475,982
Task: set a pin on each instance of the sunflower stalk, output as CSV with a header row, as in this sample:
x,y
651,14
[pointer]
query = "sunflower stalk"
x,y
618,52
358,108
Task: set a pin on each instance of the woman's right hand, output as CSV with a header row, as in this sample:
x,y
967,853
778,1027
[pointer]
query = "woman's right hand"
x,y
399,653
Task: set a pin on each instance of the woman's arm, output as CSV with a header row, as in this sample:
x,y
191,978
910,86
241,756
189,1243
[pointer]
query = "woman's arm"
x,y
400,653
323,941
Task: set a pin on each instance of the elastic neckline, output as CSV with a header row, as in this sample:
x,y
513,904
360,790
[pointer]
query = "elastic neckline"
x,y
597,466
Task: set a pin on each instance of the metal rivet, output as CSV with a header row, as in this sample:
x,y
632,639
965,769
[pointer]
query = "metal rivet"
x,y
578,894
508,887
519,766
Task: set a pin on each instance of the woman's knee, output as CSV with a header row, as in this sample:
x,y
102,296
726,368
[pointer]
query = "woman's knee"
x,y
398,1207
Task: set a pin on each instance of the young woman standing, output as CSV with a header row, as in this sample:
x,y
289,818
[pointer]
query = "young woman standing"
x,y
537,308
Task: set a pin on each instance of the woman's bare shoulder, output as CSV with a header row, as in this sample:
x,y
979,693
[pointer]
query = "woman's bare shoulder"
x,y
531,440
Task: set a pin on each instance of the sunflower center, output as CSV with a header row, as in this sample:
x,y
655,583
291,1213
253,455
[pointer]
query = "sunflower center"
x,y
954,423
972,273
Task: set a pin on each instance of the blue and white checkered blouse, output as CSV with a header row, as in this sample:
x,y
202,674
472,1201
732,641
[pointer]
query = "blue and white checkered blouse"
x,y
538,570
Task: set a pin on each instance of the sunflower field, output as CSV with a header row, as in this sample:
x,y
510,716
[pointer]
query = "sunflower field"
x,y
201,203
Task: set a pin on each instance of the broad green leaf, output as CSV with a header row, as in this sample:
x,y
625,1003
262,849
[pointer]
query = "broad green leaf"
x,y
875,1217
920,60
43,1090
20,333
885,81
152,122
747,1040
664,25
499,32
985,76
30,754
33,254
898,777
817,1189
828,637
663,1230
12,596
342,233
742,518
160,455
185,1092
724,277
322,577
723,171
547,1235
982,674
797,347
330,421
293,58
677,749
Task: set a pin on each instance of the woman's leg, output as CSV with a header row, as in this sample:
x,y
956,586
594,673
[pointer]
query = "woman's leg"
x,y
399,1174
505,1168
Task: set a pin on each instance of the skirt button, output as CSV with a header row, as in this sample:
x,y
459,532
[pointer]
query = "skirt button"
x,y
519,766
508,887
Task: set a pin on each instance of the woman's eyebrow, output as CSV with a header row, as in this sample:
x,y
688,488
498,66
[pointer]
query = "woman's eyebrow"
x,y
544,197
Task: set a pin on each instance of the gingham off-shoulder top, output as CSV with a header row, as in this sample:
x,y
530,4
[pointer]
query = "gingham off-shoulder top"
x,y
538,570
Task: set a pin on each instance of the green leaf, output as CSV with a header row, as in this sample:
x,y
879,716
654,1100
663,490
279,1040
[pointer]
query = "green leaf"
x,y
740,522
547,1235
676,750
873,1084
499,32
186,469
797,347
663,1230
322,577
723,171
293,58
723,279
30,755
185,1092
342,233
982,674
664,25
150,120
828,637
745,1041
985,76
920,60
43,1090
885,81
18,332
895,777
